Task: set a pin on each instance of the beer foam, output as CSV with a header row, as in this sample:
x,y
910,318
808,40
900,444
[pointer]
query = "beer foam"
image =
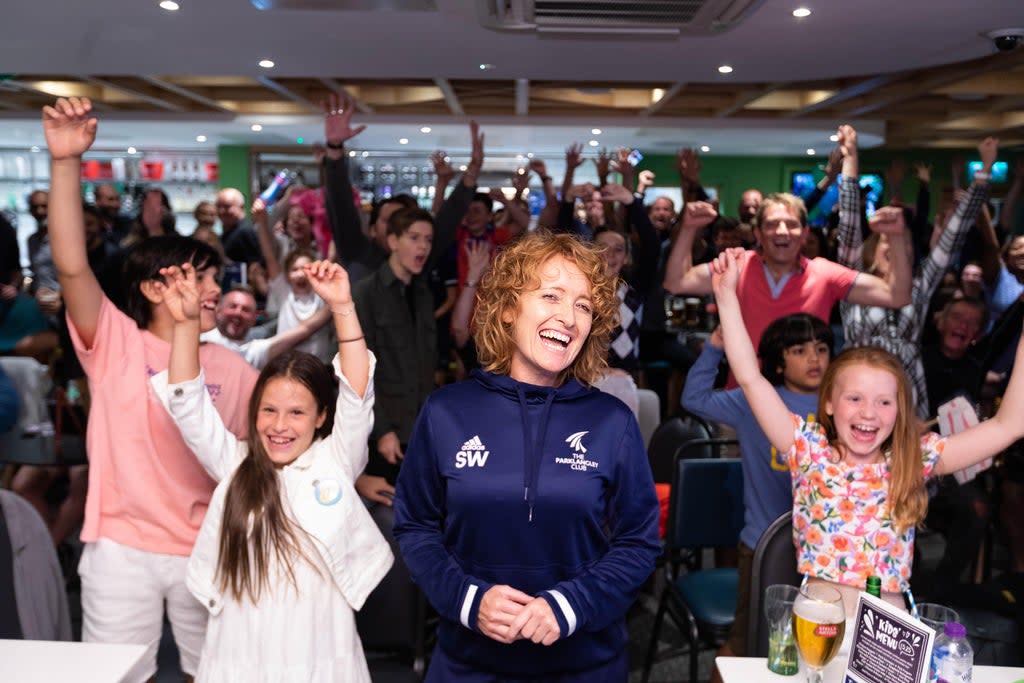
x,y
819,612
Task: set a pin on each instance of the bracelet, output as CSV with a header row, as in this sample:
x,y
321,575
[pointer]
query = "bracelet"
x,y
331,145
545,179
470,283
346,312
353,339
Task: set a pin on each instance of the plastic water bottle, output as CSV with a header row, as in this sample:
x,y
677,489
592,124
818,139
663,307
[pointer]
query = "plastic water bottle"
x,y
276,187
954,657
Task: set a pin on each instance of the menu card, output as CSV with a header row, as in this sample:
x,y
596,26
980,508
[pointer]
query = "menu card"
x,y
889,645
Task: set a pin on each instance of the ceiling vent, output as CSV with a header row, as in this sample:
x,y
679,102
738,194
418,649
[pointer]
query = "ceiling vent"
x,y
666,18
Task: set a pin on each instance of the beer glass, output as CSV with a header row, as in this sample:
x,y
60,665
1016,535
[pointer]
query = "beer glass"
x,y
819,622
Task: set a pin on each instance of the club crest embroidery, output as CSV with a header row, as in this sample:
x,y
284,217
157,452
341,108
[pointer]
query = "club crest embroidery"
x,y
577,460
327,491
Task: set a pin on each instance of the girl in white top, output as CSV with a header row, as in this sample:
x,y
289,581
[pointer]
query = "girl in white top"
x,y
287,551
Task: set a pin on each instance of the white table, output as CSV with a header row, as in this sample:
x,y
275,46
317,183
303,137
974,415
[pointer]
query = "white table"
x,y
755,670
46,661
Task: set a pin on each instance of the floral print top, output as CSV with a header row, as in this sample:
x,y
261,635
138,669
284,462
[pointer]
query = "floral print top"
x,y
842,528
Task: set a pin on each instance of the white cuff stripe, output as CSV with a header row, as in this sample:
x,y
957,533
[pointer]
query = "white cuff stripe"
x,y
570,616
467,605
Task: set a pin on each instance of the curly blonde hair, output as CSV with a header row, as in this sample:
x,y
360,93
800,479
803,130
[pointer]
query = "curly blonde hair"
x,y
515,271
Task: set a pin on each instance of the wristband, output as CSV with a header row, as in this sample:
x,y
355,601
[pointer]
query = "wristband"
x,y
331,145
545,179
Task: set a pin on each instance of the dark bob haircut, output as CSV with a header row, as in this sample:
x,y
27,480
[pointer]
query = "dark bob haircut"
x,y
144,261
790,330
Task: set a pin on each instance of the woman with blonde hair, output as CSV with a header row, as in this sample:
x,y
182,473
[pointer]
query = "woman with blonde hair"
x,y
525,507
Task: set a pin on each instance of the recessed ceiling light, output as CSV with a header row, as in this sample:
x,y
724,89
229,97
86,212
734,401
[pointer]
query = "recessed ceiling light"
x,y
267,63
463,167
725,69
169,5
425,129
366,154
810,152
200,138
521,171
255,128
705,148
801,12
35,148
352,153
132,150
486,67
403,141
594,143
519,157
833,137
529,155
595,131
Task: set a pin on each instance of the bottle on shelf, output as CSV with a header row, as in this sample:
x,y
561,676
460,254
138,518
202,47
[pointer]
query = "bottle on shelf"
x,y
953,655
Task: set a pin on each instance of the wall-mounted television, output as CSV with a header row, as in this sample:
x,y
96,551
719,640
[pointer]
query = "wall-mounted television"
x,y
803,183
1000,170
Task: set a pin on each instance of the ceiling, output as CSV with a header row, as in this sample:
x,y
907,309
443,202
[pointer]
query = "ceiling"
x,y
908,73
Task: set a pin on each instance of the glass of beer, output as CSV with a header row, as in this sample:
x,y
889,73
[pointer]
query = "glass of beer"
x,y
819,621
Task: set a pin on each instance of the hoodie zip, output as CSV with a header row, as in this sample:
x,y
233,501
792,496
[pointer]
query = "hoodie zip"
x,y
532,456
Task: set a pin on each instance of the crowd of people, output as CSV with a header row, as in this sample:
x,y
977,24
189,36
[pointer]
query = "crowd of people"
x,y
477,370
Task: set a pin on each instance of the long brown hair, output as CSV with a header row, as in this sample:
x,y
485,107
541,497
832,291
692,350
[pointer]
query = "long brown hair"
x,y
513,272
907,499
255,530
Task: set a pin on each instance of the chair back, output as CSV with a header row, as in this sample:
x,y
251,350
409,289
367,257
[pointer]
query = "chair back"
x,y
648,414
706,504
774,562
666,440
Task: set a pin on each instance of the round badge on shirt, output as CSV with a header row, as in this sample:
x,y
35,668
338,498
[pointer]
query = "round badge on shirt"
x,y
327,491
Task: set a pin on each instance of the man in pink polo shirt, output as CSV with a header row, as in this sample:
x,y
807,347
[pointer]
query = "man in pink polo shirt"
x,y
778,280
147,492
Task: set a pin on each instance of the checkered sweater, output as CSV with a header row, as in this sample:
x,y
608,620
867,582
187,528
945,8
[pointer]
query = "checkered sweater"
x,y
899,330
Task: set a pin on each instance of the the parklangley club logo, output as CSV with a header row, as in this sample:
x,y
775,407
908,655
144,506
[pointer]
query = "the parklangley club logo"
x,y
473,454
578,460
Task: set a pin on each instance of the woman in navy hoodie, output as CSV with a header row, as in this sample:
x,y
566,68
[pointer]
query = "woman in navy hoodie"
x,y
525,507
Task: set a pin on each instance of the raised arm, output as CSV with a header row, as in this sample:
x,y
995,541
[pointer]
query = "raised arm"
x,y
850,238
181,388
573,160
268,243
478,256
893,292
991,436
771,413
443,174
454,207
835,162
681,276
520,217
346,226
549,214
70,130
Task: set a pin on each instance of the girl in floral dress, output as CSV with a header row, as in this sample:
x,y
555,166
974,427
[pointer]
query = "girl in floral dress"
x,y
859,472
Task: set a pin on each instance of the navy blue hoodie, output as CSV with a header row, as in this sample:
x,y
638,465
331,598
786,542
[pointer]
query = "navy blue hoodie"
x,y
547,490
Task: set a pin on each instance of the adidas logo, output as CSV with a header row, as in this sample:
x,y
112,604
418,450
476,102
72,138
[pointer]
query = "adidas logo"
x,y
473,454
474,444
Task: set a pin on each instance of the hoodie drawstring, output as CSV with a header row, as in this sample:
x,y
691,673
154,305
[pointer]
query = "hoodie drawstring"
x,y
532,456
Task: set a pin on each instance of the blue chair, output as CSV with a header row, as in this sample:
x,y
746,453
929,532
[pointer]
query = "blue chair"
x,y
705,511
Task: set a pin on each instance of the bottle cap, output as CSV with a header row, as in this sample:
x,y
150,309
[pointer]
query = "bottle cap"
x,y
955,629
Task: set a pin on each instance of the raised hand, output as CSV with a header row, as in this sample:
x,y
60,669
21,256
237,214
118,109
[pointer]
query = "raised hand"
x,y
330,282
888,220
520,181
499,608
923,172
725,275
688,165
617,192
442,168
338,110
581,191
478,259
696,215
835,162
847,140
496,194
258,211
603,163
539,167
646,179
68,127
180,292
988,149
622,165
573,156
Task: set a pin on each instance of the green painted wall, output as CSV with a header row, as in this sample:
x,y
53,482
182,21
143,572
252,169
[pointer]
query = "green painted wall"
x,y
233,163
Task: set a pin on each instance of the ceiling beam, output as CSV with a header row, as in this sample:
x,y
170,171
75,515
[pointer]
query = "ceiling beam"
x,y
132,92
927,80
26,87
338,89
858,89
746,97
186,93
654,107
287,93
522,96
450,97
